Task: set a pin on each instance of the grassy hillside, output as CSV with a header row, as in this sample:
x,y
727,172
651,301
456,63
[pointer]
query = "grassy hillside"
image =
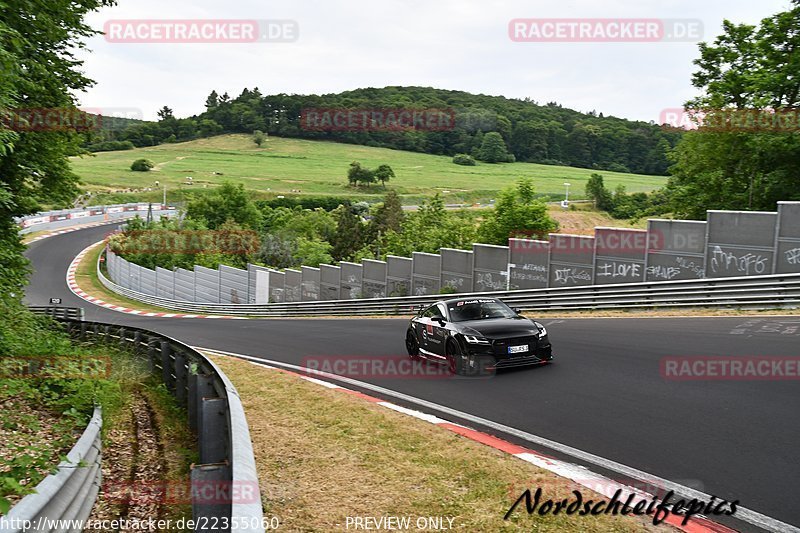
x,y
284,165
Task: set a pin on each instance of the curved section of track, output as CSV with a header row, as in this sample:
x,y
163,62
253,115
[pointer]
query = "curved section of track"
x,y
605,394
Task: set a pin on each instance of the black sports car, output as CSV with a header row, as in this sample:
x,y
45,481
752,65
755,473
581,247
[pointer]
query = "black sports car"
x,y
475,336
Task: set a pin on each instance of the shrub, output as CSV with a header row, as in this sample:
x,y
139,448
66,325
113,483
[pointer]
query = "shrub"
x,y
111,146
142,165
464,159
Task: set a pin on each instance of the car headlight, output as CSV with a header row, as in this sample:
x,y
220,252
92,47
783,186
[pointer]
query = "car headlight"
x,y
542,329
472,339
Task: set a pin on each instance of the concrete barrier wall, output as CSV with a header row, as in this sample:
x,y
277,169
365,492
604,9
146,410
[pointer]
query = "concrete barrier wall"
x,y
133,275
619,255
740,243
456,270
277,287
329,282
309,284
293,281
571,260
257,284
398,275
530,263
730,243
426,273
373,279
147,281
233,285
350,279
184,285
206,284
165,283
676,249
490,272
787,246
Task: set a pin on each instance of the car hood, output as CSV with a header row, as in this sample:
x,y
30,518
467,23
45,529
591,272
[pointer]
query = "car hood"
x,y
499,328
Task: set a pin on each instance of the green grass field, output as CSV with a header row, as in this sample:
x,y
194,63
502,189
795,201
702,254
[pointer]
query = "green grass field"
x,y
282,166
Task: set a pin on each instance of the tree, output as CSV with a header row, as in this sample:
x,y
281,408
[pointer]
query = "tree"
x,y
212,101
517,213
349,236
312,252
142,165
209,127
389,215
259,137
354,173
596,191
39,69
383,174
747,71
228,202
358,174
493,149
165,113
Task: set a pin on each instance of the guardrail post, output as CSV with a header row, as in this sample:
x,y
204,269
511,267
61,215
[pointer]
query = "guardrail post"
x,y
180,378
151,354
137,342
166,365
213,431
106,333
200,386
83,331
208,503
122,339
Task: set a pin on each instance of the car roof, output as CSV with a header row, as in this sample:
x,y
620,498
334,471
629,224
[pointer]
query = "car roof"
x,y
456,300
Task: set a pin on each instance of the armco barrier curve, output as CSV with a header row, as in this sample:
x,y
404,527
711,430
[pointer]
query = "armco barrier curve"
x,y
215,413
51,220
753,292
68,494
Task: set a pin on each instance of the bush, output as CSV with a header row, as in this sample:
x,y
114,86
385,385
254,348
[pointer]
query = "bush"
x,y
142,165
464,159
111,146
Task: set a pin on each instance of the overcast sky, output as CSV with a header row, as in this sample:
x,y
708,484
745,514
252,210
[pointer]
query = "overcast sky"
x,y
448,44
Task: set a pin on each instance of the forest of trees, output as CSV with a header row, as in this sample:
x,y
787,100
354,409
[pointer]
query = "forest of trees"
x,y
549,134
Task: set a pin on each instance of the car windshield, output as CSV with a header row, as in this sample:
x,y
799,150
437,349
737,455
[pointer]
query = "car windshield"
x,y
465,310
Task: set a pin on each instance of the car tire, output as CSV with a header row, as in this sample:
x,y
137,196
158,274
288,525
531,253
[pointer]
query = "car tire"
x,y
412,345
455,361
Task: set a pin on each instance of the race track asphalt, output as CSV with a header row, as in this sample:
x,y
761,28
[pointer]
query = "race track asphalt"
x,y
737,440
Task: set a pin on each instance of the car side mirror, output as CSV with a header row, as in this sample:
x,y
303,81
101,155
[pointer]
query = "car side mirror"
x,y
439,319
516,310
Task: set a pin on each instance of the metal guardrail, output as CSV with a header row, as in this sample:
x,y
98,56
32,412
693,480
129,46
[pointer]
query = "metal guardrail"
x,y
68,494
75,313
227,465
753,292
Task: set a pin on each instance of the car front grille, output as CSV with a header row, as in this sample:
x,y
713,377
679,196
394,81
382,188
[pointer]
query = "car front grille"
x,y
500,346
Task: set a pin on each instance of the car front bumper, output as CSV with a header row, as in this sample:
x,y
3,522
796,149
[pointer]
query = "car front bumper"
x,y
540,351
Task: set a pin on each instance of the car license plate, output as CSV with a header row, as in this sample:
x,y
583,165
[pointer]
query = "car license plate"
x,y
518,349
